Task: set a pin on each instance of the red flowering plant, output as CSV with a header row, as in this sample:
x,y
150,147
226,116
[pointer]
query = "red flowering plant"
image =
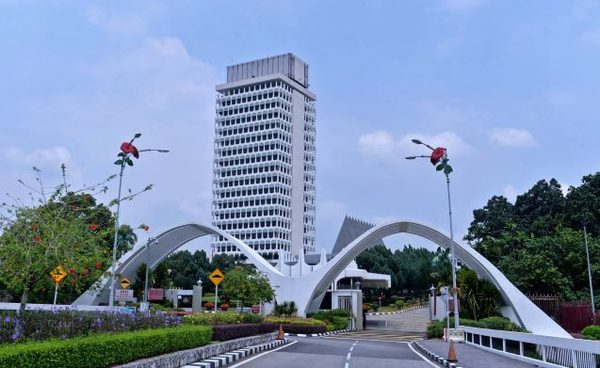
x,y
128,149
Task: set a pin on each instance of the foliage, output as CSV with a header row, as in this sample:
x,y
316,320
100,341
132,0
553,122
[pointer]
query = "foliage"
x,y
209,305
400,304
247,286
103,350
436,328
295,321
58,228
224,306
230,332
412,270
336,319
126,239
187,268
285,309
38,325
591,332
305,329
542,232
478,297
212,319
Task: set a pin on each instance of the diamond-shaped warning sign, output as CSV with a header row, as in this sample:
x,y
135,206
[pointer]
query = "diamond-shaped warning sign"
x,y
125,282
58,274
216,276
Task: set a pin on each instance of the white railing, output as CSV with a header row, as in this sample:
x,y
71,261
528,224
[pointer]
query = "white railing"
x,y
544,351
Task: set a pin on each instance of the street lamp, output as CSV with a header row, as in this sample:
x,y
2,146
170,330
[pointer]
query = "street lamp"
x,y
150,240
439,157
127,150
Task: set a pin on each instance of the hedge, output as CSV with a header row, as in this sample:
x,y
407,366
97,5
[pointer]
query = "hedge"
x,y
436,328
103,350
591,332
212,319
303,329
230,332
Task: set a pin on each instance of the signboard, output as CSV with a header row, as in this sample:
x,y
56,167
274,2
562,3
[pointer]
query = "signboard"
x,y
216,276
444,292
155,294
125,282
379,298
58,274
124,295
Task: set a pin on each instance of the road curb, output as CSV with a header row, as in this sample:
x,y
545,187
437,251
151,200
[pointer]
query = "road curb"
x,y
436,358
319,334
397,312
231,356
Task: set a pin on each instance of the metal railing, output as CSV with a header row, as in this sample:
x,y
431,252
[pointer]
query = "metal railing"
x,y
544,351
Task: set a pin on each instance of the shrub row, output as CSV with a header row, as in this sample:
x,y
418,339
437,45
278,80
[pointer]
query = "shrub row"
x,y
39,325
336,319
212,319
103,350
230,332
436,329
295,321
304,329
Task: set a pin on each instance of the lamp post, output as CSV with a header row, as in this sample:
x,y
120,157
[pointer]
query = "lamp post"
x,y
587,255
128,150
439,157
150,240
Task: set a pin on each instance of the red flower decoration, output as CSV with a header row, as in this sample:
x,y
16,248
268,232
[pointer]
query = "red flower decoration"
x,y
73,207
98,265
33,227
146,228
74,282
128,148
86,271
94,227
437,154
37,238
71,271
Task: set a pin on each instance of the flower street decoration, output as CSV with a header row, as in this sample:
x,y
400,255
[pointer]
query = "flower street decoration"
x,y
94,227
439,154
128,149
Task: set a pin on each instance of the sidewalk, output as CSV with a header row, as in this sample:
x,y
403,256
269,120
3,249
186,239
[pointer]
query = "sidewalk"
x,y
472,357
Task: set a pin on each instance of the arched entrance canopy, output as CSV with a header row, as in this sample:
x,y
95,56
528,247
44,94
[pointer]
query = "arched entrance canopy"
x,y
307,289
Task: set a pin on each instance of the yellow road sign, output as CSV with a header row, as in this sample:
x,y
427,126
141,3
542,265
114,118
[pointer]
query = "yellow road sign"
x,y
58,273
216,276
125,282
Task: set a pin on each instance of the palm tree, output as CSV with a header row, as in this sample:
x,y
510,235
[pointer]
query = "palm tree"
x,y
470,291
126,239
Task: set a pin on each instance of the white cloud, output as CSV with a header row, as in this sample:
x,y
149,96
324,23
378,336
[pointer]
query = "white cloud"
x,y
376,145
54,155
380,146
511,137
127,25
460,5
510,193
330,210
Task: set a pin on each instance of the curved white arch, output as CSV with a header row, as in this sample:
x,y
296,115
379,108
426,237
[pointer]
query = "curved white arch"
x,y
163,245
308,290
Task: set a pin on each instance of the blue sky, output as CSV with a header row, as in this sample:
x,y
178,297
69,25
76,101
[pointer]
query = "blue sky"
x,y
511,88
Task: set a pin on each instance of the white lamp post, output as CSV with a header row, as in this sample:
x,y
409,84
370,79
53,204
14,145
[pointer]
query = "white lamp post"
x,y
128,149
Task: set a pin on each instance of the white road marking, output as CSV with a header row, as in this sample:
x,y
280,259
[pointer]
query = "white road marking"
x,y
422,357
352,348
348,356
347,365
265,353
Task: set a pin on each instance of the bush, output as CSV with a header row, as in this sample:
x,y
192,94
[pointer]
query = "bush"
x,y
230,332
591,332
103,350
209,305
375,306
366,307
400,304
212,319
285,309
500,323
295,321
336,319
224,306
39,325
435,330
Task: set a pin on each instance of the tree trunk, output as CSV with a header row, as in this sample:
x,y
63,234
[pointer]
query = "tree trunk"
x,y
23,302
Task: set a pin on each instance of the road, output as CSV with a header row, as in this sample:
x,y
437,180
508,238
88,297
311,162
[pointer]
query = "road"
x,y
334,353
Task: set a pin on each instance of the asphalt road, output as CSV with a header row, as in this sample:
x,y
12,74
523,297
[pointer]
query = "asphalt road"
x,y
331,353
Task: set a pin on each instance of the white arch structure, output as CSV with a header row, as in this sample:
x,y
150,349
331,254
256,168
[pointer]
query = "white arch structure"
x,y
309,284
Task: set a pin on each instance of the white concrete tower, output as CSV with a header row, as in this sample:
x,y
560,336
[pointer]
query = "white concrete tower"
x,y
264,166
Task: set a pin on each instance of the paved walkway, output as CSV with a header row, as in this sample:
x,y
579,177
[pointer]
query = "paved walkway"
x,y
472,357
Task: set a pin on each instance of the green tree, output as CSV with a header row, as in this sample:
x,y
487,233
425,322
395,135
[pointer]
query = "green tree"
x,y
247,285
37,238
126,239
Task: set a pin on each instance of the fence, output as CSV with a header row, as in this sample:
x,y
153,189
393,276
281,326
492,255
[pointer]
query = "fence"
x,y
572,316
543,351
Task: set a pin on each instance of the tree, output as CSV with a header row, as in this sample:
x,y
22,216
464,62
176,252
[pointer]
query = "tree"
x,y
126,239
49,233
247,285
478,297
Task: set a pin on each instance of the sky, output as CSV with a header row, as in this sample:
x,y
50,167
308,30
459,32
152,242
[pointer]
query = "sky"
x,y
509,87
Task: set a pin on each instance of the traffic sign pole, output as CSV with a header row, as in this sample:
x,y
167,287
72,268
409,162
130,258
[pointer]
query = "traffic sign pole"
x,y
55,292
216,296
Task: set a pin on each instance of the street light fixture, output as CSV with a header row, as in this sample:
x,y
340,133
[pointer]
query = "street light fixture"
x,y
127,150
439,157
